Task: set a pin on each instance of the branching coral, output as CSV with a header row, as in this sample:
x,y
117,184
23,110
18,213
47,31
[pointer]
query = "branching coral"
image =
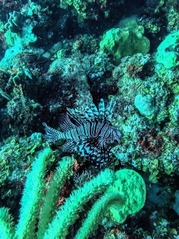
x,y
6,229
121,197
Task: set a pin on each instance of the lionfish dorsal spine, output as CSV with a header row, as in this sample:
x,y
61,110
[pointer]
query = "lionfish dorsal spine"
x,y
110,109
101,108
94,110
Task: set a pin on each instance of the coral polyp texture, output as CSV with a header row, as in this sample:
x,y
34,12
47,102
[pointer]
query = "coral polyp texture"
x,y
103,76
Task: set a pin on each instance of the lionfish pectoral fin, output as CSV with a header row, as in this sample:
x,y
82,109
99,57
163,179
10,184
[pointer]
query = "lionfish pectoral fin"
x,y
65,123
69,147
52,135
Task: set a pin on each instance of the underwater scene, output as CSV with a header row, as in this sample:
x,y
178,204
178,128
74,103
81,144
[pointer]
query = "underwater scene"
x,y
89,119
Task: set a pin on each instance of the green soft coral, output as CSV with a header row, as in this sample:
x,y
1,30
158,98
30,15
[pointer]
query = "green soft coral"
x,y
124,197
6,224
167,51
97,213
125,40
63,172
131,187
69,212
122,194
32,195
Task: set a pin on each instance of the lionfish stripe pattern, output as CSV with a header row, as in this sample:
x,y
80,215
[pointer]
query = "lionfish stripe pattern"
x,y
90,134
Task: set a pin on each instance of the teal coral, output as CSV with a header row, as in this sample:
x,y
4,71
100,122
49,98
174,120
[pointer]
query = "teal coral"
x,y
145,105
6,224
32,195
67,214
174,110
63,172
131,187
18,35
98,212
124,197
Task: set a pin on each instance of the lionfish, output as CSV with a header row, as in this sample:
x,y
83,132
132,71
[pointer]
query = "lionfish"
x,y
90,134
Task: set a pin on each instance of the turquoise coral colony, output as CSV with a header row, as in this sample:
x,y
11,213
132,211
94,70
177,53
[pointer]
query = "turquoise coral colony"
x,y
104,77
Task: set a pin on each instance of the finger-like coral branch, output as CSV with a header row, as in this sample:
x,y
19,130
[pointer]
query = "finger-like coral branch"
x,y
64,170
32,196
69,212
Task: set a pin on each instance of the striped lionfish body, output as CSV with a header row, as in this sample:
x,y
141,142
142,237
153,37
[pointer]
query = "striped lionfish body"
x,y
90,134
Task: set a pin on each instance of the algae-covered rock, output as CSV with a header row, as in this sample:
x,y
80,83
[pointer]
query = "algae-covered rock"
x,y
174,110
167,51
145,105
126,40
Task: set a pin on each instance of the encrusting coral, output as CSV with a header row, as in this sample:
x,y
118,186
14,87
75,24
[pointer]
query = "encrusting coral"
x,y
121,196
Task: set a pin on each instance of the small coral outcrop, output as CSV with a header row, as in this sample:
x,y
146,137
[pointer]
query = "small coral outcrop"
x,y
125,40
167,51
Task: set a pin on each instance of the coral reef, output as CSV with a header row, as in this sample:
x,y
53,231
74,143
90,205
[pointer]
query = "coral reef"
x,y
56,55
17,154
87,10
